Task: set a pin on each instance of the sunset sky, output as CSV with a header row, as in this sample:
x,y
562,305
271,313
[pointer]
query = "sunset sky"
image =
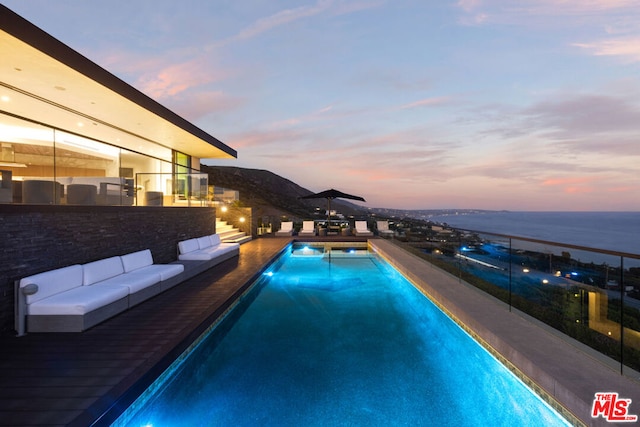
x,y
487,104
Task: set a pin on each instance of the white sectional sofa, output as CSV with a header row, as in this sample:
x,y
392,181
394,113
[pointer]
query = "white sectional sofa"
x,y
77,297
206,248
204,252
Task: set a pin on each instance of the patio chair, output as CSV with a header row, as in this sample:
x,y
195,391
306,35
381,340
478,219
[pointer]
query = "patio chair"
x,y
286,229
362,229
383,229
308,229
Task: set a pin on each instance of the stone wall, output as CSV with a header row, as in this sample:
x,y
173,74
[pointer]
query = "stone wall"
x,y
34,239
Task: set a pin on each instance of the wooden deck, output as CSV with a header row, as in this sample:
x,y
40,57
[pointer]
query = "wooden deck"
x,y
87,378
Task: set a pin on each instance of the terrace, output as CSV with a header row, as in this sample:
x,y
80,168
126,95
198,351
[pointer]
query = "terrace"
x,y
91,377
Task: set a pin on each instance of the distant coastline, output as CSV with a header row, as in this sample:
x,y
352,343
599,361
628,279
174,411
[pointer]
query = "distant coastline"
x,y
615,231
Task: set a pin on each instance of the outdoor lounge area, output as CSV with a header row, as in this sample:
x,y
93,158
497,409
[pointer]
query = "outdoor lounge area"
x,y
77,297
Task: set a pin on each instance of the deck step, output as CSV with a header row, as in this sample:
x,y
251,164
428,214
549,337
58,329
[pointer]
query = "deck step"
x,y
228,233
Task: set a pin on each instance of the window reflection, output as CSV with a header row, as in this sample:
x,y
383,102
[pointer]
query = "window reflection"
x,y
41,165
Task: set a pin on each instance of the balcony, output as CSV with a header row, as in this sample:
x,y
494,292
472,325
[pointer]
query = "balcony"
x,y
586,294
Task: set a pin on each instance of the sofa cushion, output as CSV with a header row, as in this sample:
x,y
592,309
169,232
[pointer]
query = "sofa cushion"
x,y
204,242
215,239
103,269
53,282
133,281
220,249
187,246
166,271
136,260
78,301
196,256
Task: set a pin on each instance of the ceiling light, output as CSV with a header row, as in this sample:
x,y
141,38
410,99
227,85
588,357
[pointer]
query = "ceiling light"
x,y
5,98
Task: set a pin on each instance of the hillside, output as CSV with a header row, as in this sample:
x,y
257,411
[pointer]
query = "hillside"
x,y
273,195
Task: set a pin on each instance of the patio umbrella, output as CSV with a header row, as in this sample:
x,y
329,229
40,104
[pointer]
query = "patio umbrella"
x,y
330,195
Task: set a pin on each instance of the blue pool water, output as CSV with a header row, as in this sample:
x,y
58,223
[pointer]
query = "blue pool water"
x,y
346,341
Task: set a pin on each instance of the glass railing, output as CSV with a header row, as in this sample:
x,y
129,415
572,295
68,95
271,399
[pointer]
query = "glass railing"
x,y
588,294
144,189
167,189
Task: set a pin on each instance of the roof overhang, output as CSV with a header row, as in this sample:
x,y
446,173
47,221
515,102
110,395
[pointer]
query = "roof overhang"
x,y
54,85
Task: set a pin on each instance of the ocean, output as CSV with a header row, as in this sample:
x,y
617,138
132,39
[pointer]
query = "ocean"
x,y
615,231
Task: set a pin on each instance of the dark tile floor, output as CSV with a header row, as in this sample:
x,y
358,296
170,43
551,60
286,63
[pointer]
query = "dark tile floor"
x,y
79,379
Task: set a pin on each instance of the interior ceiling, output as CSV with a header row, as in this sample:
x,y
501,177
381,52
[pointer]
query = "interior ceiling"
x,y
38,86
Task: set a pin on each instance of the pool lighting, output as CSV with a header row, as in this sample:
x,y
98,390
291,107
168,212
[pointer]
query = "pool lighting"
x,y
573,273
269,274
525,270
545,281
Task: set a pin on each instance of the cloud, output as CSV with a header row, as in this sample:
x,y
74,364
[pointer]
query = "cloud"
x,y
287,16
173,79
282,17
548,12
628,49
567,123
586,113
427,102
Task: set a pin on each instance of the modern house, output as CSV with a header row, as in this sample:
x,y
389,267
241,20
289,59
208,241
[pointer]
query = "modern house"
x,y
90,166
72,133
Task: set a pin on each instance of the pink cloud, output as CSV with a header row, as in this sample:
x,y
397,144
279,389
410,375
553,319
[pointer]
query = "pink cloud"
x,y
578,190
177,78
626,48
567,181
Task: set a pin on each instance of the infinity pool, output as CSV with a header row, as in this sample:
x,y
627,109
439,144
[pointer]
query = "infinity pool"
x,y
344,340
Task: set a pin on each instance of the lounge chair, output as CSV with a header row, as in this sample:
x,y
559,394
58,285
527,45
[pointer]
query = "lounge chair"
x,y
383,229
362,229
308,229
286,229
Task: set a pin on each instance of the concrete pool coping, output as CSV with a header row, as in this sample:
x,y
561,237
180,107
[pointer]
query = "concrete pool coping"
x,y
547,361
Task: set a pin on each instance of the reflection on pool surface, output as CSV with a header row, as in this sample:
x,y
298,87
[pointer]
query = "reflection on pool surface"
x,y
338,341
